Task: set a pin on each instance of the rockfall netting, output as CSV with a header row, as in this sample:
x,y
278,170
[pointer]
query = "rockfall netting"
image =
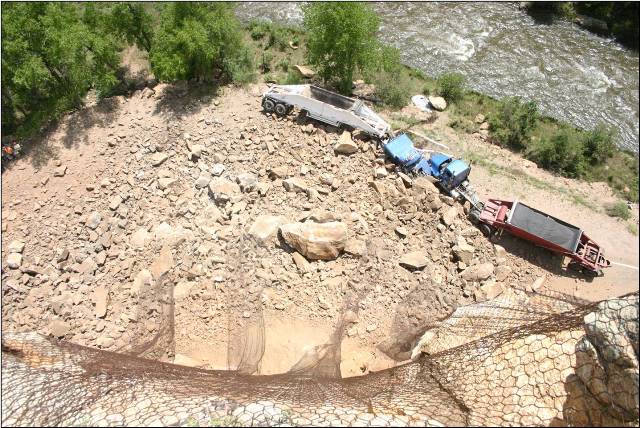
x,y
579,367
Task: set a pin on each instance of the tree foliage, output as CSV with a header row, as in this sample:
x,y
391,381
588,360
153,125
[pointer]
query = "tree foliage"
x,y
342,40
50,58
198,40
131,22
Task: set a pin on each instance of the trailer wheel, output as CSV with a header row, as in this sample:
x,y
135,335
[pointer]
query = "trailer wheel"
x,y
268,105
486,230
281,109
592,273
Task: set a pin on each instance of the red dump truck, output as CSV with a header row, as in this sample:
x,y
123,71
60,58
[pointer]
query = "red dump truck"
x,y
545,231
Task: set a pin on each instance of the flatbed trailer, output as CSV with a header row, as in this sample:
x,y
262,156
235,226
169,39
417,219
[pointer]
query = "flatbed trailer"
x,y
325,106
545,231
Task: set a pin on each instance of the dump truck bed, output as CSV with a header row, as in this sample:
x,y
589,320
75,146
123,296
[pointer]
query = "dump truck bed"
x,y
544,226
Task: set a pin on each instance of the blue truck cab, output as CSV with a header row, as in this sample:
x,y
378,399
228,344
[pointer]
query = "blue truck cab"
x,y
449,172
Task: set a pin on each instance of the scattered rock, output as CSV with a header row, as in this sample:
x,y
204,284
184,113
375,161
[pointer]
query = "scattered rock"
x,y
266,227
463,251
402,231
415,260
162,264
449,216
355,247
479,118
14,260
59,328
100,297
115,202
295,184
60,171
301,262
140,238
203,180
538,283
489,290
217,169
345,145
158,158
94,220
316,241
15,246
248,182
503,272
223,190
165,182
304,71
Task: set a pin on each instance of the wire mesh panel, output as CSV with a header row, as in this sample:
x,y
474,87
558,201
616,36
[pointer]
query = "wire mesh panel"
x,y
579,367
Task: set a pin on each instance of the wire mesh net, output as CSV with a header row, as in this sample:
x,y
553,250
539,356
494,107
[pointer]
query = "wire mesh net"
x,y
579,367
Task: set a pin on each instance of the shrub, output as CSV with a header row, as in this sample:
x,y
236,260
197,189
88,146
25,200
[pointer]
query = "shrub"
x,y
451,86
513,123
562,153
265,62
393,89
619,209
291,78
598,144
284,64
258,29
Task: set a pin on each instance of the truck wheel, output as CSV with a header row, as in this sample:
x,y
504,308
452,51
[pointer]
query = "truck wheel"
x,y
281,109
485,229
268,105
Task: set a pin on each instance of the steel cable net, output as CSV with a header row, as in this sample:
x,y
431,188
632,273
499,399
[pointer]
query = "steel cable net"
x,y
521,361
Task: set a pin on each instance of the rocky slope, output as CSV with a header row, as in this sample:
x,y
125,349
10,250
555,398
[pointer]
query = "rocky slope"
x,y
168,180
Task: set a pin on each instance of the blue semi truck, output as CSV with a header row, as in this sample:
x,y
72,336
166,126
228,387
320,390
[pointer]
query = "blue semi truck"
x,y
450,174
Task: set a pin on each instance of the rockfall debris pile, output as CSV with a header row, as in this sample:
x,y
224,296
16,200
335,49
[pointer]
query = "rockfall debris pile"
x,y
167,181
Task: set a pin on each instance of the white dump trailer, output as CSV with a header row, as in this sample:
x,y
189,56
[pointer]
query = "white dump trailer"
x,y
325,106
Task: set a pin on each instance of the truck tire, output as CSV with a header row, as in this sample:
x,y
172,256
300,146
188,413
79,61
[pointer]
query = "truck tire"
x,y
281,109
268,105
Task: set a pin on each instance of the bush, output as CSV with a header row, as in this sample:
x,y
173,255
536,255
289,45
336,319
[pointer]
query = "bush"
x,y
341,40
197,40
619,209
265,61
258,29
292,78
451,87
561,153
513,123
598,144
393,89
284,64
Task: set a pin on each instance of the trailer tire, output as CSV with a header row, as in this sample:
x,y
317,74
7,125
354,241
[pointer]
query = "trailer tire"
x,y
268,105
486,231
281,109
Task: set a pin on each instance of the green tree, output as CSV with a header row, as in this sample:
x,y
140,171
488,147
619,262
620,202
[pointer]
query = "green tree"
x,y
50,58
341,40
132,23
199,40
514,121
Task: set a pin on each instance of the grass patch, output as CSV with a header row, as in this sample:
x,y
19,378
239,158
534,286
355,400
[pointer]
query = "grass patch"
x,y
522,177
633,229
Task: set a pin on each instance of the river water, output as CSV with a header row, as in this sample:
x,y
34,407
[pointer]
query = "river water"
x,y
569,72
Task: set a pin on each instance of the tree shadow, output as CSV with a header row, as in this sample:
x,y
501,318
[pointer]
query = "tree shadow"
x,y
74,126
186,97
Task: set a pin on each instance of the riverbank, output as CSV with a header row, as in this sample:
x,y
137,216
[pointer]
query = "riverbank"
x,y
278,48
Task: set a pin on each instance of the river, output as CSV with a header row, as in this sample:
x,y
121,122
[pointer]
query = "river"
x,y
569,72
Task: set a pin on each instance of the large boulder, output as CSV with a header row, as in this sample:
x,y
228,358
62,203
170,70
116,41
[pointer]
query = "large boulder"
x,y
463,251
316,241
438,103
345,145
478,272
